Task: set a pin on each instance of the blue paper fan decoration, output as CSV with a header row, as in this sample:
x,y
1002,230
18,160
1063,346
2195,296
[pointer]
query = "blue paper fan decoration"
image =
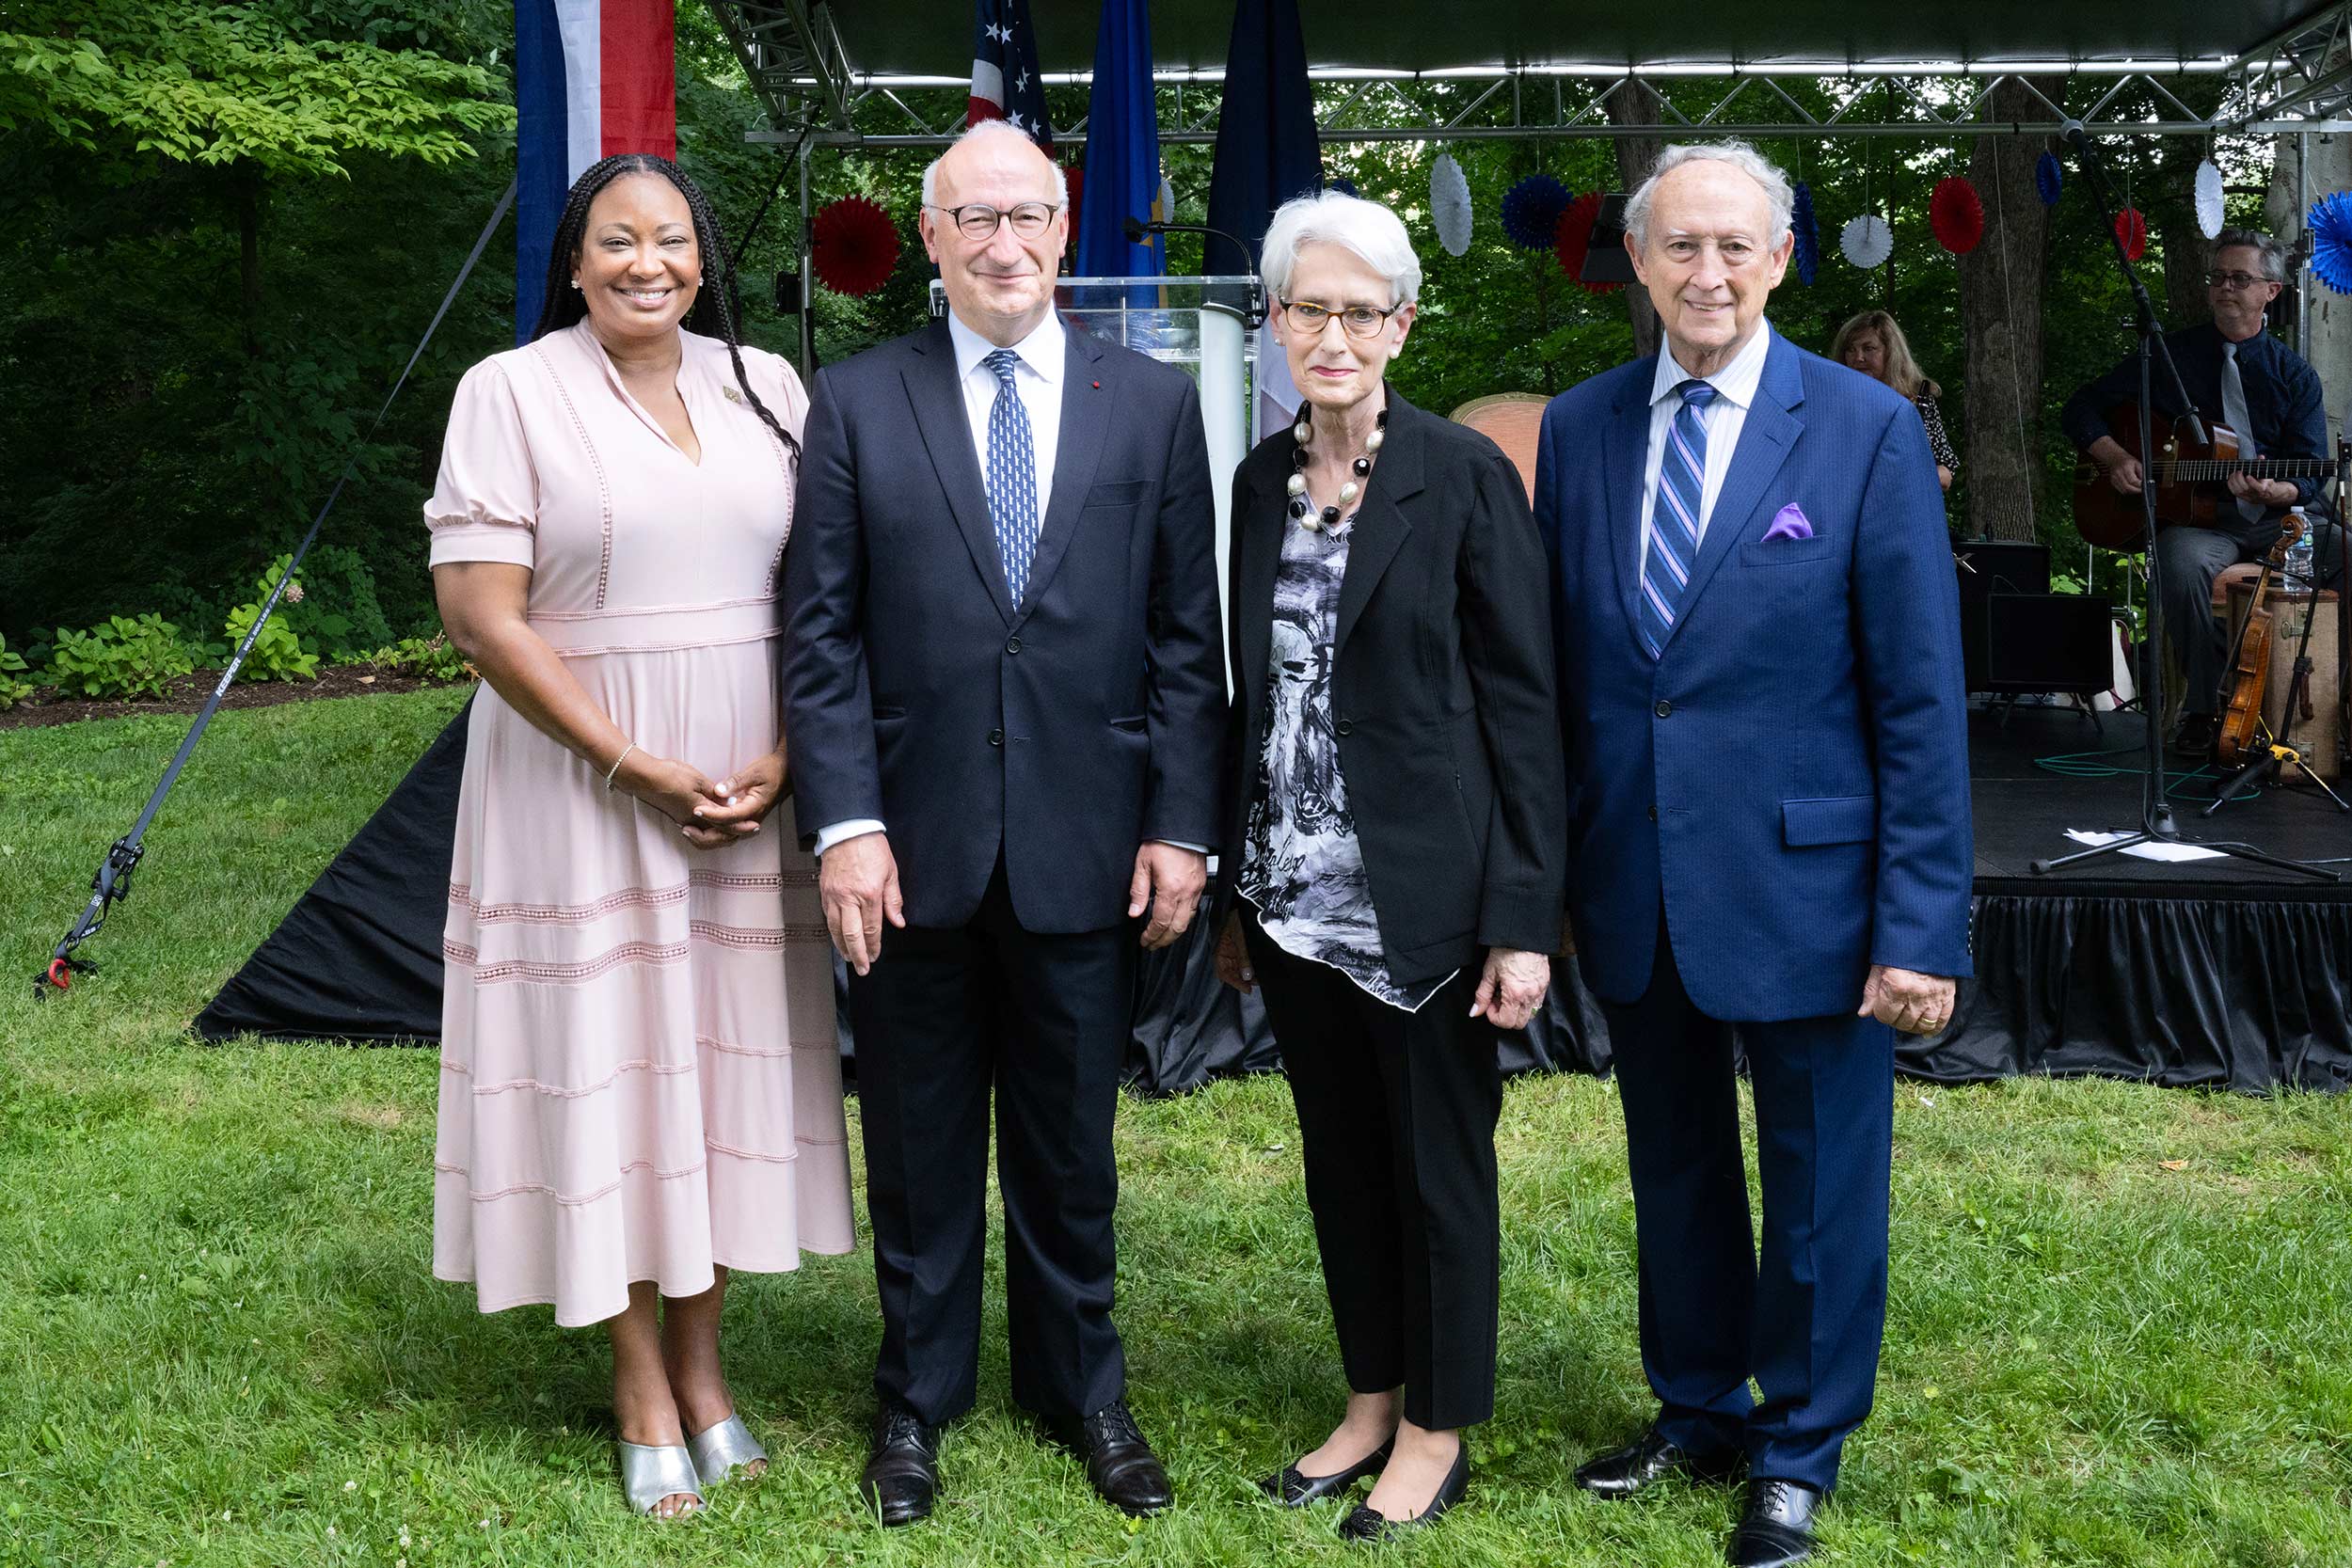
x,y
1807,234
2331,241
1341,183
2049,178
1532,208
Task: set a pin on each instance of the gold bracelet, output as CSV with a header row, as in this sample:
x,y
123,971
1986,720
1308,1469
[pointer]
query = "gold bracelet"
x,y
617,763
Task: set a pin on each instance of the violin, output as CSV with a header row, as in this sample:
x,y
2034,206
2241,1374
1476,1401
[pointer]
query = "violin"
x,y
2250,667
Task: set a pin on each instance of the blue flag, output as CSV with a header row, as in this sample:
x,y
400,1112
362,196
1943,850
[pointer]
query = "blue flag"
x,y
1267,148
1122,167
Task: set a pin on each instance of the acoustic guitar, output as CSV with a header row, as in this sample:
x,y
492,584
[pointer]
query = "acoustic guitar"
x,y
2191,480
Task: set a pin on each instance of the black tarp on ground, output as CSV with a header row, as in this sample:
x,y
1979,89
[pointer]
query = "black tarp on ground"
x,y
2216,975
359,956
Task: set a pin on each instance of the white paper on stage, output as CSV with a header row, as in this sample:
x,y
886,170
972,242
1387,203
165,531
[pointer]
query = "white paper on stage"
x,y
2151,851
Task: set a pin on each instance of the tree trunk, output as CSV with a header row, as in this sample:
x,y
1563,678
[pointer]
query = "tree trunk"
x,y
1634,102
249,198
2331,312
2000,297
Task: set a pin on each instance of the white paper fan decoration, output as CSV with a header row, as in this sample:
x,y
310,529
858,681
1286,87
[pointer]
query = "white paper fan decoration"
x,y
1167,202
1450,204
1867,241
2208,200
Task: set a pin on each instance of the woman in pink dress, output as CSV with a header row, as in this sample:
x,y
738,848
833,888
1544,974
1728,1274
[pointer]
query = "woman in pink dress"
x,y
640,1084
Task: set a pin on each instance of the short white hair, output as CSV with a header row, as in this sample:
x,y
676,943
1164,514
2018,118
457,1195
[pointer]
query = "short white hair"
x,y
1334,218
1778,194
983,130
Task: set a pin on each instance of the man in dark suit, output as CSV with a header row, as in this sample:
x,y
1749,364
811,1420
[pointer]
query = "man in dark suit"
x,y
1760,690
1005,706
2265,394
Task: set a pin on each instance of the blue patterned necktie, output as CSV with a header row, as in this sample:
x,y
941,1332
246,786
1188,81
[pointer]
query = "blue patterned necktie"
x,y
1011,475
1673,524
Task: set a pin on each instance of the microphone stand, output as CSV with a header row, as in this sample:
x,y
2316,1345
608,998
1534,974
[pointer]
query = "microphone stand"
x,y
2157,825
1254,305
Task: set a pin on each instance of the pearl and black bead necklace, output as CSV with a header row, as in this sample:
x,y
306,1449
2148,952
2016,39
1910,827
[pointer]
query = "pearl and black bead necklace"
x,y
1302,508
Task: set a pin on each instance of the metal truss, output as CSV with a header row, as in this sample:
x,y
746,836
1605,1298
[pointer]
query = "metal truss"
x,y
2300,80
793,55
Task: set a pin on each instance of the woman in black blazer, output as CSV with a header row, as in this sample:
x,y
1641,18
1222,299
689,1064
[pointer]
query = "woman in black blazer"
x,y
1397,830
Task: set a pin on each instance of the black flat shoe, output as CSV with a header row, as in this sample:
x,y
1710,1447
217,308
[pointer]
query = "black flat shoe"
x,y
1648,1459
1776,1527
1371,1525
1121,1465
902,1479
1293,1489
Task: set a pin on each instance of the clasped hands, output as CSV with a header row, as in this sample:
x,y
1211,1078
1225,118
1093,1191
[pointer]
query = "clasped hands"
x,y
708,815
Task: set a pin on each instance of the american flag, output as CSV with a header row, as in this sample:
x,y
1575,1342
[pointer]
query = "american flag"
x,y
1004,80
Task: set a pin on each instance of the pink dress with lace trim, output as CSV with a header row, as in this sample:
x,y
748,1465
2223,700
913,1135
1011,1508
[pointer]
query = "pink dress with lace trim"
x,y
638,1073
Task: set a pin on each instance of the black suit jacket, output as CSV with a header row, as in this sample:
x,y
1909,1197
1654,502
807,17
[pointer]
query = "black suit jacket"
x,y
1441,691
1065,730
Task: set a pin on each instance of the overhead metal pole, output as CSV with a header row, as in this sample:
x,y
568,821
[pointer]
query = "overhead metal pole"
x,y
808,290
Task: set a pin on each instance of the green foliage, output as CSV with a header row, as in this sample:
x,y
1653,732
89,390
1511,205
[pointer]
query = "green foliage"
x,y
14,687
122,657
278,653
217,83
432,659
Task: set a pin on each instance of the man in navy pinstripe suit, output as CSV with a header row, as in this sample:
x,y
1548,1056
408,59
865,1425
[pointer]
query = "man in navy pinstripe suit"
x,y
1760,689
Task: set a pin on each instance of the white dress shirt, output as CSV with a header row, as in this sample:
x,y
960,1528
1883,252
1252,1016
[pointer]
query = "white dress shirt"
x,y
1038,382
1734,391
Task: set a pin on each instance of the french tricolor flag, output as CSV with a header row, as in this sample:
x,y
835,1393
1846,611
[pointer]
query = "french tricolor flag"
x,y
591,78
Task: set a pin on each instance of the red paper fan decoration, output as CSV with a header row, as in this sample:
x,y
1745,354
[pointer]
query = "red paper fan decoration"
x,y
2132,229
1956,215
853,245
1076,175
1572,237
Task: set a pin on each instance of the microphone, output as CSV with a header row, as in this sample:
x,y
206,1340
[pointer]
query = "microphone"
x,y
1138,231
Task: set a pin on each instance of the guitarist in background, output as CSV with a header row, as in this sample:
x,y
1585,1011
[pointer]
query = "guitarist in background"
x,y
2269,397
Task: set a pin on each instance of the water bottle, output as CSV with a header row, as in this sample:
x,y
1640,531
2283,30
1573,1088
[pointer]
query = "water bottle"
x,y
2298,563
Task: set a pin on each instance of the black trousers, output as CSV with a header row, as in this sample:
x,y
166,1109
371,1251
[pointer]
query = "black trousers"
x,y
1397,1123
945,1017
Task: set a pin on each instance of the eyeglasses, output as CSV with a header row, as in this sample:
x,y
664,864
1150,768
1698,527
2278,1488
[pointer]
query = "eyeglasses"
x,y
2233,280
1308,319
977,220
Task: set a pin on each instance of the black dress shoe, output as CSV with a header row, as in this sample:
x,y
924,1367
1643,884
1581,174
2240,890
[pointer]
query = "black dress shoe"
x,y
1649,1459
1364,1522
901,1479
1291,1488
1775,1526
1121,1465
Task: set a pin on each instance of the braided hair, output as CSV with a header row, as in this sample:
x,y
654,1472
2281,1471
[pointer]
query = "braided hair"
x,y
717,309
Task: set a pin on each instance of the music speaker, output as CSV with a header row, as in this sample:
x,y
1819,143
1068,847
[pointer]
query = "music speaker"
x,y
2049,643
1985,567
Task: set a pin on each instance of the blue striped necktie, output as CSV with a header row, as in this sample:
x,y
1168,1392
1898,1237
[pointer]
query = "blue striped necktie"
x,y
1673,522
1011,475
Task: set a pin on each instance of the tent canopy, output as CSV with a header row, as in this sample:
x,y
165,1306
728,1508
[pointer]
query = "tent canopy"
x,y
922,39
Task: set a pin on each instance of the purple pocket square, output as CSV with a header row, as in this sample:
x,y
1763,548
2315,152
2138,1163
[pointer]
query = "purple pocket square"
x,y
1789,522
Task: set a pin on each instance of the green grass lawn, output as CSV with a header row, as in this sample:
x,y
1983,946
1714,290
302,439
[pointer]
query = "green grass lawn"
x,y
2121,1326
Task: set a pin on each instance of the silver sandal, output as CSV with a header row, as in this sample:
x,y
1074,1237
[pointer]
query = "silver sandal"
x,y
718,1450
650,1474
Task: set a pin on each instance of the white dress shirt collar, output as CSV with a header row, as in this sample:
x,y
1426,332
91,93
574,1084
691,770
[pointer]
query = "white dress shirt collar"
x,y
1042,351
1736,381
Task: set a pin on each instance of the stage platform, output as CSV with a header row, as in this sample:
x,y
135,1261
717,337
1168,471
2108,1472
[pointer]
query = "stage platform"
x,y
2215,973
